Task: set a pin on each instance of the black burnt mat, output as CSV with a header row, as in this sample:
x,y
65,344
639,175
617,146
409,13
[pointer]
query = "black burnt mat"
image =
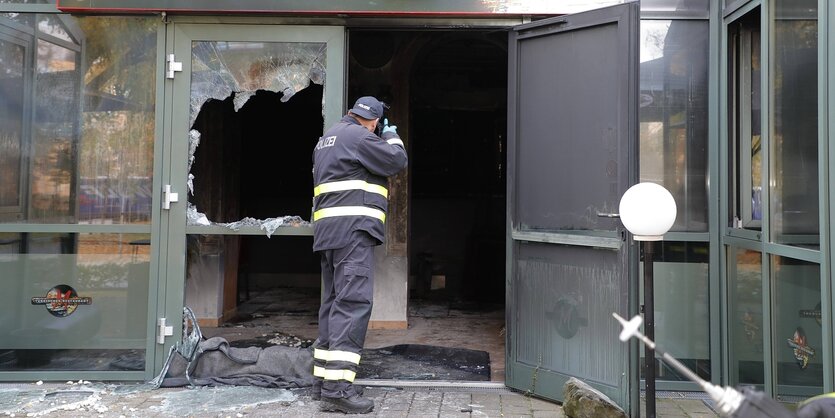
x,y
424,362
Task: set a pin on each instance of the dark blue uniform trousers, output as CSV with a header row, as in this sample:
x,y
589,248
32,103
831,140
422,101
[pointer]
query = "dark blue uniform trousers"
x,y
347,293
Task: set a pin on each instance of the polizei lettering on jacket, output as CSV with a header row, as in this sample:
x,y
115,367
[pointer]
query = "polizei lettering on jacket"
x,y
325,142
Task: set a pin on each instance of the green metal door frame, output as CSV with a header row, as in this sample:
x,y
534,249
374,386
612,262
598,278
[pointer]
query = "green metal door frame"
x,y
179,37
826,154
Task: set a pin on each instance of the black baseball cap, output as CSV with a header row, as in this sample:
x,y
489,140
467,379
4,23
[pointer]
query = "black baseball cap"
x,y
368,107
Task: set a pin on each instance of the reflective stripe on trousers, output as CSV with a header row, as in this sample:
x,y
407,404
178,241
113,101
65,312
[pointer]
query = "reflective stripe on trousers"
x,y
349,211
334,375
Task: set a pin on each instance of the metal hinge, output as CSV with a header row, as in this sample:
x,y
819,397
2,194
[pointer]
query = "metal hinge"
x,y
168,197
163,331
173,66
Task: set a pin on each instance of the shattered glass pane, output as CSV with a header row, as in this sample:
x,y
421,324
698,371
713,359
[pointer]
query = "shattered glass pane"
x,y
193,143
268,225
38,402
222,398
196,218
220,69
95,399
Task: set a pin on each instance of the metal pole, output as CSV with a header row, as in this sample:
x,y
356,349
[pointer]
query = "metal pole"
x,y
649,331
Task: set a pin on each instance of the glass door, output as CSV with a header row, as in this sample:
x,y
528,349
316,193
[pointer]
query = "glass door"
x,y
248,103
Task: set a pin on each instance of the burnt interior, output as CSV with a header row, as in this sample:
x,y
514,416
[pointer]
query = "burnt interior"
x,y
447,90
455,111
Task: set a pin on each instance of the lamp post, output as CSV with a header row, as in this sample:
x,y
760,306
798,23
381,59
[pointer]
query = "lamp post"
x,y
648,211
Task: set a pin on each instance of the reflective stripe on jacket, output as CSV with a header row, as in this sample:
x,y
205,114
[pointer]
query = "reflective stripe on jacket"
x,y
350,167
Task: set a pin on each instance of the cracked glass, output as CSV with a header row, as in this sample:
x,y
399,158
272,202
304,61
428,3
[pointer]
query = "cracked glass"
x,y
224,70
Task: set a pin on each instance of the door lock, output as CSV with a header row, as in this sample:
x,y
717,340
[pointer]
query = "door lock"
x,y
168,197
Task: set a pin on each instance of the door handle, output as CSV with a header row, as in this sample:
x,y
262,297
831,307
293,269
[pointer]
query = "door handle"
x,y
169,197
608,215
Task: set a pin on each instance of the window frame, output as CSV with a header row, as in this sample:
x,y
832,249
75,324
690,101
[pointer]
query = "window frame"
x,y
740,97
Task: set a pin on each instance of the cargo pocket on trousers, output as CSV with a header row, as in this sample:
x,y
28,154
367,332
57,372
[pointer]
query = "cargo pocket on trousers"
x,y
358,294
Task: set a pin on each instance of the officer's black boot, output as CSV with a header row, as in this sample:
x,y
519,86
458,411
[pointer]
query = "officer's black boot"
x,y
316,390
355,404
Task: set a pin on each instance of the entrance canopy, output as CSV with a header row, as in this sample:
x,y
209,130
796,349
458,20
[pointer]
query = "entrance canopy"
x,y
387,7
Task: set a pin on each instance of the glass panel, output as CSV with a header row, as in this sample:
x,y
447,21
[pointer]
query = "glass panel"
x,y
225,76
673,115
51,25
74,301
799,337
675,6
116,153
90,156
208,261
745,312
682,300
12,84
54,136
794,117
754,145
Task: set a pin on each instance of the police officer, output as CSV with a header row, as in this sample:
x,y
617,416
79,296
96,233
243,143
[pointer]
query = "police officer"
x,y
350,167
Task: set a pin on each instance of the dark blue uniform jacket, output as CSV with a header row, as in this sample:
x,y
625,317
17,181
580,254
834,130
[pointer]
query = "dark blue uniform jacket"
x,y
350,167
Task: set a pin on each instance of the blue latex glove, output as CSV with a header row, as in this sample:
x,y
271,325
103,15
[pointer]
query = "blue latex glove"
x,y
387,128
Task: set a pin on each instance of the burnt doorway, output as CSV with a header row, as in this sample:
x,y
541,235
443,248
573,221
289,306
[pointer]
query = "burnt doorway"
x,y
447,93
458,123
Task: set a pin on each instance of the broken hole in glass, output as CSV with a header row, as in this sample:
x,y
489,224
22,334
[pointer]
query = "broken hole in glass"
x,y
238,70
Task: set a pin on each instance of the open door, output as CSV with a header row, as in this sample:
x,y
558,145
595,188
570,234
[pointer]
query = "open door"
x,y
572,153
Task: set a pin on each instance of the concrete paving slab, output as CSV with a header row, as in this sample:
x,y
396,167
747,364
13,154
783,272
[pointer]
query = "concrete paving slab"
x,y
540,405
102,400
515,399
515,409
548,414
395,406
487,413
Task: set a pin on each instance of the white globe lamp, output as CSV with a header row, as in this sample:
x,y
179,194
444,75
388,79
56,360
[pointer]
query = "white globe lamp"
x,y
648,211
